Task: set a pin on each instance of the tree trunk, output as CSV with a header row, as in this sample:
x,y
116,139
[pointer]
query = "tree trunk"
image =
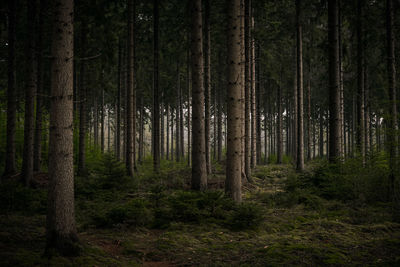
x,y
30,92
207,82
258,108
247,110
234,107
118,125
219,116
309,112
167,140
37,149
61,230
82,106
279,144
156,104
199,171
360,82
182,133
189,83
102,136
10,167
130,103
253,159
300,115
177,117
391,71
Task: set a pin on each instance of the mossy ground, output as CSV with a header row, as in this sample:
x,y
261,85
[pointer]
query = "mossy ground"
x,y
121,225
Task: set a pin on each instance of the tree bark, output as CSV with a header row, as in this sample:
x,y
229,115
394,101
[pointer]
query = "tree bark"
x,y
10,167
279,144
199,172
118,124
61,230
392,141
360,82
234,107
253,159
177,117
82,106
207,82
30,92
300,120
247,88
189,83
37,149
156,104
131,102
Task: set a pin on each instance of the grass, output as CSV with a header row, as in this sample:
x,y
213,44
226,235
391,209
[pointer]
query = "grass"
x,y
154,221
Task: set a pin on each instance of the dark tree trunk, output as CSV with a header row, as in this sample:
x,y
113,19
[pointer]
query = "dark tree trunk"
x,y
177,117
156,104
300,115
130,92
10,167
82,106
60,229
279,144
30,92
118,124
37,149
207,82
234,107
199,172
360,82
391,72
247,88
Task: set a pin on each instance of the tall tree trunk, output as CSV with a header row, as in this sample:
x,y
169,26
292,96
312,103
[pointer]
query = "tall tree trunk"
x,y
60,229
334,86
341,85
279,144
189,83
130,91
172,133
82,106
102,136
219,116
162,123
321,132
253,159
182,135
309,112
118,124
392,141
156,104
207,82
10,167
247,111
360,82
177,117
234,107
141,129
30,92
258,108
300,118
366,113
167,126
37,149
199,172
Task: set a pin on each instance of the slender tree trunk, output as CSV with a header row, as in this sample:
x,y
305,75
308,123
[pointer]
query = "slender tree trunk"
x,y
300,120
162,152
61,230
207,82
189,83
392,141
10,167
341,85
30,92
130,103
177,117
82,106
321,132
366,113
309,112
156,104
258,108
247,131
37,149
199,172
279,144
141,129
172,133
118,124
102,136
360,82
233,163
253,159
182,133
219,116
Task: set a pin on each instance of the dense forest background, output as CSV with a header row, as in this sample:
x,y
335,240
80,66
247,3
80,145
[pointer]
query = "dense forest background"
x,y
171,132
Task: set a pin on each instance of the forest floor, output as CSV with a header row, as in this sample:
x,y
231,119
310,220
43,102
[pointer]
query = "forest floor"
x,y
154,221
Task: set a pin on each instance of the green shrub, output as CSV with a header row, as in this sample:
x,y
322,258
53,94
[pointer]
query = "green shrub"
x,y
246,216
16,197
